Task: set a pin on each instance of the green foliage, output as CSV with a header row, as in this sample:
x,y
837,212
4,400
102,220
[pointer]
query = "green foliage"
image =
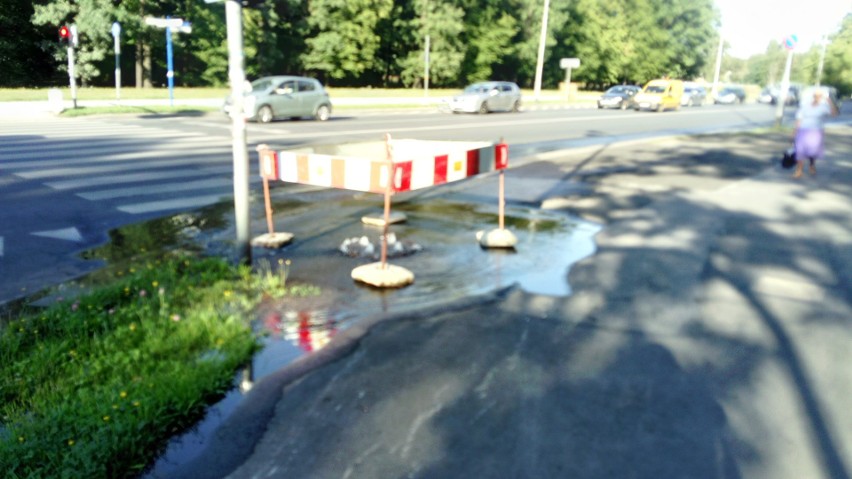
x,y
94,386
837,70
381,42
345,43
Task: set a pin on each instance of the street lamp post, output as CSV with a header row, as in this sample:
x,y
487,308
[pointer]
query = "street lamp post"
x,y
539,67
237,77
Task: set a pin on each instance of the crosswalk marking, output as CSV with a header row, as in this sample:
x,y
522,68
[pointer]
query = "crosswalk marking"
x,y
136,169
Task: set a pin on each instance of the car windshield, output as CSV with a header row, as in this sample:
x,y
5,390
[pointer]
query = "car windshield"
x,y
260,85
617,89
655,89
478,88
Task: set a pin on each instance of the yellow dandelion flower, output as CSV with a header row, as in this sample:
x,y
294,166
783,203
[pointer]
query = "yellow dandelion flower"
x,y
136,403
227,293
106,418
123,394
70,442
133,326
132,270
115,407
21,439
155,283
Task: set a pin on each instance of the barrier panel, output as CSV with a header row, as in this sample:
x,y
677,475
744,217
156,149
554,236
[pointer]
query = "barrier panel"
x,y
388,167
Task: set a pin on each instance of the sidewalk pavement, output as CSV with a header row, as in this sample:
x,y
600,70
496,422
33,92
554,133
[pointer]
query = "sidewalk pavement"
x,y
708,337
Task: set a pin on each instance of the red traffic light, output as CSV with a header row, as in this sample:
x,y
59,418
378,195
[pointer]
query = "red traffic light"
x,y
64,33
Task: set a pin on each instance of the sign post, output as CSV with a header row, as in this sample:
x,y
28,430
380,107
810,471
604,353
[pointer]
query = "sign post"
x,y
169,24
790,44
116,33
568,64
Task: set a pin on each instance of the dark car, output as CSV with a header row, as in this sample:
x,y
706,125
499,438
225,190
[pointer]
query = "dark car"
x,y
276,97
770,95
693,95
619,96
730,95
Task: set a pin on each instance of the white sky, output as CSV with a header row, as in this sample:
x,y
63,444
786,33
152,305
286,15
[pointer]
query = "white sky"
x,y
749,25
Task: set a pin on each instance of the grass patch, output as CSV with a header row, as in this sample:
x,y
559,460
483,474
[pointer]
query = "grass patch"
x,y
138,110
96,385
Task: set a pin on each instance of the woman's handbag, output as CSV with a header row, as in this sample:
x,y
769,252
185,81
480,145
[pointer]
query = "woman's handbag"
x,y
789,158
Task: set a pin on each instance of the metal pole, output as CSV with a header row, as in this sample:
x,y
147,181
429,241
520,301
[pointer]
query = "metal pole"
x,y
426,70
821,61
539,67
785,86
236,75
72,75
389,166
715,88
170,75
117,49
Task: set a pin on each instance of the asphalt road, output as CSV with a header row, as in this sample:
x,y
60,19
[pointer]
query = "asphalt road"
x,y
65,183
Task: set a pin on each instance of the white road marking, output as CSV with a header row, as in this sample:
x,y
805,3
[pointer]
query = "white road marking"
x,y
67,234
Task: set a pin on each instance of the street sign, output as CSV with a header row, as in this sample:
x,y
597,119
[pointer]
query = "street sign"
x,y
164,22
569,63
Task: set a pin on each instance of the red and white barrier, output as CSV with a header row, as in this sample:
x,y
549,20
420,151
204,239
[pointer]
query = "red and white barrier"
x,y
416,164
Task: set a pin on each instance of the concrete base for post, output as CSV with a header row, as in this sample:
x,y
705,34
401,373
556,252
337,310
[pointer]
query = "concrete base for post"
x,y
389,277
272,240
496,238
378,219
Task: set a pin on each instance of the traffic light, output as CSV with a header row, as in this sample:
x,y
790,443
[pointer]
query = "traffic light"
x,y
64,34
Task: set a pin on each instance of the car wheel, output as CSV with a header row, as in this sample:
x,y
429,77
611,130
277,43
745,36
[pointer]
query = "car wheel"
x,y
322,113
516,107
483,108
265,114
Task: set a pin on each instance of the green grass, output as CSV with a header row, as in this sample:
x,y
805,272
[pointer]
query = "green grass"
x,y
95,386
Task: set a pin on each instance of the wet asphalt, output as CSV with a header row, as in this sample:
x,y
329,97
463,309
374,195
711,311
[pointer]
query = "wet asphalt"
x,y
706,336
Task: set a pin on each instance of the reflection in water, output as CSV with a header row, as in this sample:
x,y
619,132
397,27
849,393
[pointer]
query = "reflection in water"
x,y
309,330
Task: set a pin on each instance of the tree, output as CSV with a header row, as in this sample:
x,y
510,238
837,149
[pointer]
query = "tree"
x,y
837,70
24,48
344,44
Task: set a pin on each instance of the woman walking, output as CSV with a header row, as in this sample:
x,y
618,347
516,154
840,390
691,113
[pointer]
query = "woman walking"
x,y
810,130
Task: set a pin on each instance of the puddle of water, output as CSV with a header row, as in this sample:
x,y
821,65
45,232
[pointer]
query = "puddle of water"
x,y
450,265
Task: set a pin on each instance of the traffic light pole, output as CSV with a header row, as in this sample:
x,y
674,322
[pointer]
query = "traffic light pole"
x,y
71,75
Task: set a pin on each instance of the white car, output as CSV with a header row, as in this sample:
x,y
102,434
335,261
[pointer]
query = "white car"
x,y
485,97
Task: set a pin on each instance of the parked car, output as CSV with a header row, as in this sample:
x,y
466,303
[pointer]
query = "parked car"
x,y
485,97
770,95
693,95
730,95
659,95
619,96
274,97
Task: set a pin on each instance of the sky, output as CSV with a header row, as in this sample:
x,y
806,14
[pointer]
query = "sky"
x,y
749,25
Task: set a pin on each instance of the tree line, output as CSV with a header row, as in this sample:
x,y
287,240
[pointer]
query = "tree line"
x,y
378,43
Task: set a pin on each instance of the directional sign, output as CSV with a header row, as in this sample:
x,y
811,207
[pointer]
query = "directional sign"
x,y
164,22
569,63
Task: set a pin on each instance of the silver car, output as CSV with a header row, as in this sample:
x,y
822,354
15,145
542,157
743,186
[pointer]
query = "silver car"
x,y
485,97
293,97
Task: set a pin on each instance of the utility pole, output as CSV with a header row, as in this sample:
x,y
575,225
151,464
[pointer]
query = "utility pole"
x,y
718,65
426,69
821,61
237,77
541,41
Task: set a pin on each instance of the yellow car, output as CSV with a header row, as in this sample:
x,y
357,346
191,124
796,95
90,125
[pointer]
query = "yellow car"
x,y
659,95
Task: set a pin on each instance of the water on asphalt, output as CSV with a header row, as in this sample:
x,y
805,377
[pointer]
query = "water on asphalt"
x,y
448,264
